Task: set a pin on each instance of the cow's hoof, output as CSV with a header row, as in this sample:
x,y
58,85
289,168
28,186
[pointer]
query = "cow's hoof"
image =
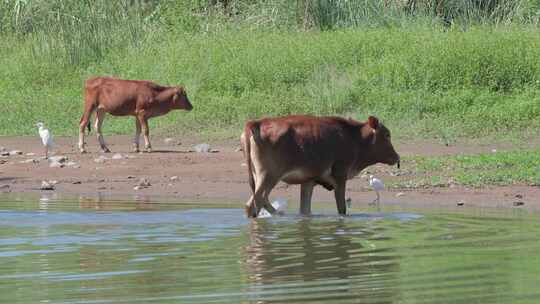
x,y
148,150
83,151
136,150
105,150
251,212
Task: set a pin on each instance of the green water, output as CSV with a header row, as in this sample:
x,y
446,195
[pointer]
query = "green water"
x,y
90,251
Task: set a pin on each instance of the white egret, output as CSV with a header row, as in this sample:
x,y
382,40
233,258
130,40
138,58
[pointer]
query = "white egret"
x,y
377,186
46,138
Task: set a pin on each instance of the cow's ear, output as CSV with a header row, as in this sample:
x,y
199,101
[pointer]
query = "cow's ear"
x,y
373,122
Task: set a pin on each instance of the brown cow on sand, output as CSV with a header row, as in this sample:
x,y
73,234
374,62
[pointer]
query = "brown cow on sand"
x,y
309,151
118,97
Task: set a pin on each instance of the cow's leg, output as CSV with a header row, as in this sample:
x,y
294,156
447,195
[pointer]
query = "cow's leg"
x,y
82,125
146,132
306,191
137,135
339,193
251,208
269,185
100,116
85,120
259,199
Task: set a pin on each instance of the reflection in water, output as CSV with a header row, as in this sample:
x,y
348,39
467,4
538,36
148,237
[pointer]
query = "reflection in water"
x,y
94,250
327,258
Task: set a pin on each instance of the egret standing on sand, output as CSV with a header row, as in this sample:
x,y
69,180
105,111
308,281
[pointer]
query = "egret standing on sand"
x,y
377,185
46,138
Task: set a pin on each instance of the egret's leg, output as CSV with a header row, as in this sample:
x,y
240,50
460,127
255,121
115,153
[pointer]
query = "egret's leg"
x,y
378,201
375,200
46,152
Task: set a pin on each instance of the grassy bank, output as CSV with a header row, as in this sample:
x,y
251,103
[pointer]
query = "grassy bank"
x,y
419,80
498,168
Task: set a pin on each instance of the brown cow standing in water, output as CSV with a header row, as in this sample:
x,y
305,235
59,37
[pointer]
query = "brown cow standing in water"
x,y
309,151
118,97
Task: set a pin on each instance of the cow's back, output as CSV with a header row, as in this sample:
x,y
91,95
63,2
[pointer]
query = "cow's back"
x,y
306,145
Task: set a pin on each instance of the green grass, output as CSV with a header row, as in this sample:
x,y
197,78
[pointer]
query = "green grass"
x,y
422,81
499,168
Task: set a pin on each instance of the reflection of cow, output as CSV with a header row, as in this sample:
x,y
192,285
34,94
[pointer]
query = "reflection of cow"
x,y
309,151
108,203
311,250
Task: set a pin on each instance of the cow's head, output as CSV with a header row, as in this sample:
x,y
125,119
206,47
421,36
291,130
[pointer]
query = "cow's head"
x,y
380,144
180,99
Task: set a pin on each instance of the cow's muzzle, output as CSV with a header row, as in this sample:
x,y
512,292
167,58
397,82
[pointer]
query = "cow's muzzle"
x,y
395,161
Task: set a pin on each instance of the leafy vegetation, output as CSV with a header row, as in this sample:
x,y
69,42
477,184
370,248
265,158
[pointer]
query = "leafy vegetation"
x,y
471,69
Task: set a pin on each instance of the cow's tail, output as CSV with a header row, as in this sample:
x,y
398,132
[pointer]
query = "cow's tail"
x,y
90,102
251,130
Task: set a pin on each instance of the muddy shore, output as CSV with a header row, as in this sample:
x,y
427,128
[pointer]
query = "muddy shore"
x,y
176,172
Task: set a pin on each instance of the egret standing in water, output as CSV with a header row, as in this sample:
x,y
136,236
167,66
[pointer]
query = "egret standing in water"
x,y
46,138
377,186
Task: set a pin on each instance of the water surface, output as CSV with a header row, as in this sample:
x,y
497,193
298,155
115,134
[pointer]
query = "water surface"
x,y
90,250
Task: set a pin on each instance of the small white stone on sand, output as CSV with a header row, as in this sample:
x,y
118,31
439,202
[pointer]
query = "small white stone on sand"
x,y
100,159
143,182
58,159
461,203
15,152
202,148
45,185
117,156
27,161
400,194
30,154
56,165
174,178
168,141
